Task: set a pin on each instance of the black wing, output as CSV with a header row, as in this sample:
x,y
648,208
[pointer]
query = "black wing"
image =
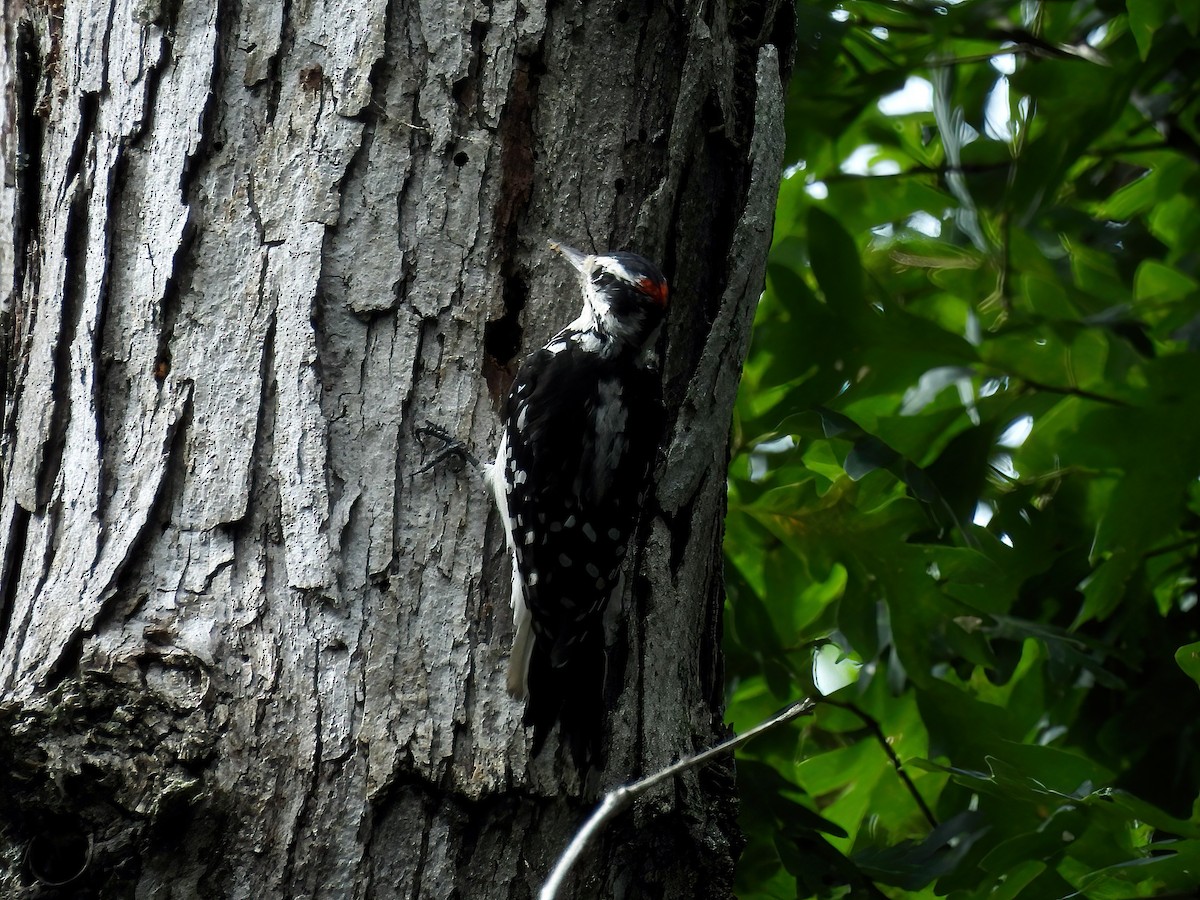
x,y
581,434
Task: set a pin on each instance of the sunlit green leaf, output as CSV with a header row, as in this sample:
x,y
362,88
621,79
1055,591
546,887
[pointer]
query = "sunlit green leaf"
x,y
1162,284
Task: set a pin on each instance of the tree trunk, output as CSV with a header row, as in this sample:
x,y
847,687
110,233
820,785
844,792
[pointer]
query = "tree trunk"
x,y
248,249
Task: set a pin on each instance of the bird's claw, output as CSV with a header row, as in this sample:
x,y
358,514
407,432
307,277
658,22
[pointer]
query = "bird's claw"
x,y
452,447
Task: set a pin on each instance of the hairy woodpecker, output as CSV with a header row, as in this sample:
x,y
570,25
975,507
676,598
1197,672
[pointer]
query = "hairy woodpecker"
x,y
583,421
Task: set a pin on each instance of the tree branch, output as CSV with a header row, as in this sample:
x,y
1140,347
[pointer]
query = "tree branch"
x,y
621,797
1069,391
876,730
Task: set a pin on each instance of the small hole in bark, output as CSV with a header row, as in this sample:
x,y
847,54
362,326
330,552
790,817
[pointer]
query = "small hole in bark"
x,y
60,854
642,135
460,159
619,186
311,77
623,16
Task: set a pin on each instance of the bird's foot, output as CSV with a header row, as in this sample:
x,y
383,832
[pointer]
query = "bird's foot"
x,y
452,448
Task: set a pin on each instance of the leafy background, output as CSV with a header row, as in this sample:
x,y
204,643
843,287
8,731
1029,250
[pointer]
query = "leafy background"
x,y
966,457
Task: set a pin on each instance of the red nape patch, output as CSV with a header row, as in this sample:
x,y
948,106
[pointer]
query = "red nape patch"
x,y
655,290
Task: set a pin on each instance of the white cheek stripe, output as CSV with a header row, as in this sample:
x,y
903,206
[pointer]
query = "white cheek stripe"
x,y
611,265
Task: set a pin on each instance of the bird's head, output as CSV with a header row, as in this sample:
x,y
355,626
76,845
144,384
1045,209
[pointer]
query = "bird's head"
x,y
625,295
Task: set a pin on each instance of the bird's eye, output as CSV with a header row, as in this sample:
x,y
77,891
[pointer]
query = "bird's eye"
x,y
602,279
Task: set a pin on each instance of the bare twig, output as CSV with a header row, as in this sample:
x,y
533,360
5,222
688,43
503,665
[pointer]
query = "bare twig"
x,y
1069,391
1171,548
620,798
876,730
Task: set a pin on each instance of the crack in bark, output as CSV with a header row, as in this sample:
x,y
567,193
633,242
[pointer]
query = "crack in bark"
x,y
26,73
206,136
275,63
256,215
10,566
463,91
400,483
104,43
52,514
711,662
174,441
423,853
679,525
261,446
74,285
30,131
171,303
308,795
89,109
153,77
515,136
116,179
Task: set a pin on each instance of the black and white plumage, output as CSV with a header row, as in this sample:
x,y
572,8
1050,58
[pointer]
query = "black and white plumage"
x,y
583,420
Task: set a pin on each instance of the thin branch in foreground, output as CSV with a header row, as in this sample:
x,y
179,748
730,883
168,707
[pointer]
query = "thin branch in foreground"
x,y
876,730
1070,391
621,797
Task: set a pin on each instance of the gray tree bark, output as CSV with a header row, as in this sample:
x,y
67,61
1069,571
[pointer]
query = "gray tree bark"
x,y
247,249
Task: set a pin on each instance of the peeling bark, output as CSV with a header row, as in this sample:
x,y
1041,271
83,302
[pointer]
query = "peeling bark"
x,y
247,249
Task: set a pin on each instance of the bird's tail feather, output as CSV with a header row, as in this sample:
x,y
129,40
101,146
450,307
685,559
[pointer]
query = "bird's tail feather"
x,y
571,694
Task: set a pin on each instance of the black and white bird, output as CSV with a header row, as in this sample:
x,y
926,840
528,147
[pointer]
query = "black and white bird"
x,y
583,421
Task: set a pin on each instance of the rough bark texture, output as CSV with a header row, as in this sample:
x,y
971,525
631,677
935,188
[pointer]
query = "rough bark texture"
x,y
247,249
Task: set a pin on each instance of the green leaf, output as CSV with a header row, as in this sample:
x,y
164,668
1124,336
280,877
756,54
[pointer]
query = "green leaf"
x,y
912,865
835,262
1188,657
1145,18
1157,283
1190,13
1171,868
